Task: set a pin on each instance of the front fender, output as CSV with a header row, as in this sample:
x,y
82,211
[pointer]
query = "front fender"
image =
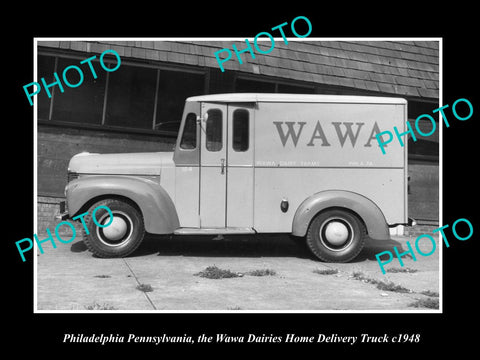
x,y
158,210
366,209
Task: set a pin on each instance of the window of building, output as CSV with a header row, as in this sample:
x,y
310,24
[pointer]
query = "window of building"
x,y
294,89
213,130
82,104
189,136
256,86
260,86
132,97
240,130
426,148
173,88
45,69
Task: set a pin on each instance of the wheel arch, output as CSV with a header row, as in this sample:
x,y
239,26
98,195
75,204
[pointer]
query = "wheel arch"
x,y
342,209
363,208
87,205
153,202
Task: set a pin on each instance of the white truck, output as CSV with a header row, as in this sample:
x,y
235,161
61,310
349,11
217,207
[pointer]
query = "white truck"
x,y
246,163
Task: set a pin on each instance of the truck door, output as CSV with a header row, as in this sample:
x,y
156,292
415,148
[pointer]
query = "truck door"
x,y
240,174
226,167
213,166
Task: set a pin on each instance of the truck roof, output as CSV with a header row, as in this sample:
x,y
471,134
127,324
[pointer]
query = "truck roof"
x,y
307,98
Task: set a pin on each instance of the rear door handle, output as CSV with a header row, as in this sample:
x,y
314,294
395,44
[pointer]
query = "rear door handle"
x,y
222,166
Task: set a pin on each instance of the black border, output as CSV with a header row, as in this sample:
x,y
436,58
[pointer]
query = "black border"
x,y
44,332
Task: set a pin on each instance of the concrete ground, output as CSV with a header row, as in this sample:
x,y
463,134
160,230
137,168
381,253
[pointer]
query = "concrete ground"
x,y
69,278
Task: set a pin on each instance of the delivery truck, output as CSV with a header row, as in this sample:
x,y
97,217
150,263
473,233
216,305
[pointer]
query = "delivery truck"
x,y
247,163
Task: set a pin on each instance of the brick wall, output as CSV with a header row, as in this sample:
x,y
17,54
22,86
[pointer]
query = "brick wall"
x,y
423,197
47,208
420,229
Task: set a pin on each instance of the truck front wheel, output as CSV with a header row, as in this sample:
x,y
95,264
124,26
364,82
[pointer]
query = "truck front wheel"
x,y
121,237
336,236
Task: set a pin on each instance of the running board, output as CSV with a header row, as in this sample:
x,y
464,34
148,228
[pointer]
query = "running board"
x,y
214,231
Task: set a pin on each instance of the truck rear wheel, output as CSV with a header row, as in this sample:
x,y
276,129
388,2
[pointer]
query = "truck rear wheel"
x,y
121,237
336,236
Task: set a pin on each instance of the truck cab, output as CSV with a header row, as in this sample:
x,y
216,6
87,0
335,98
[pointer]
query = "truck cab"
x,y
307,165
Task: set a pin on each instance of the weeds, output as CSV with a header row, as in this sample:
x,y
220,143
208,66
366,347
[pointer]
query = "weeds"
x,y
430,293
144,287
426,303
360,276
390,286
263,272
381,285
213,272
401,270
96,306
431,302
326,271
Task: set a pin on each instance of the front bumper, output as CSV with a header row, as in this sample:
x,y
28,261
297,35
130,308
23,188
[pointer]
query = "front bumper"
x,y
63,212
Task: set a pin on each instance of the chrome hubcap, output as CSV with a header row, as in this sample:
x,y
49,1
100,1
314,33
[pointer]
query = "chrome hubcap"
x,y
336,234
119,230
116,230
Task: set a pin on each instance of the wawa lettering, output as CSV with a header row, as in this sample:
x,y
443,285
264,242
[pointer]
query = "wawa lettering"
x,y
343,130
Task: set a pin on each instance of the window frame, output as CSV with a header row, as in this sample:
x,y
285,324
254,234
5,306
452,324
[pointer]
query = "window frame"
x,y
276,82
102,126
218,130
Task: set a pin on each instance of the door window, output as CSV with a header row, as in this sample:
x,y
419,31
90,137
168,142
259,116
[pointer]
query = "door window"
x,y
240,130
189,137
213,130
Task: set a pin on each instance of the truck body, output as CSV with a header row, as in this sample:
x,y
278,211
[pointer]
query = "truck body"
x,y
308,165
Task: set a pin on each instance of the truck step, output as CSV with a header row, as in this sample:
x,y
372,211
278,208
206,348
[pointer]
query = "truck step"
x,y
214,231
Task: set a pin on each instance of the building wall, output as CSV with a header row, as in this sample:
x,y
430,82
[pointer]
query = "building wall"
x,y
423,197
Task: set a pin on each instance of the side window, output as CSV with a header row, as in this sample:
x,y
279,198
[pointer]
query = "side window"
x,y
213,130
240,130
189,137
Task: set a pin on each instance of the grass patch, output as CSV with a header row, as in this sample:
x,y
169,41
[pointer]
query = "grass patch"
x,y
96,306
430,293
213,272
391,286
381,285
262,272
426,303
360,276
326,271
144,287
401,270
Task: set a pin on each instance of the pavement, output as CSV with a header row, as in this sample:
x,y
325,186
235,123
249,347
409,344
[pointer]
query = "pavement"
x,y
70,278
